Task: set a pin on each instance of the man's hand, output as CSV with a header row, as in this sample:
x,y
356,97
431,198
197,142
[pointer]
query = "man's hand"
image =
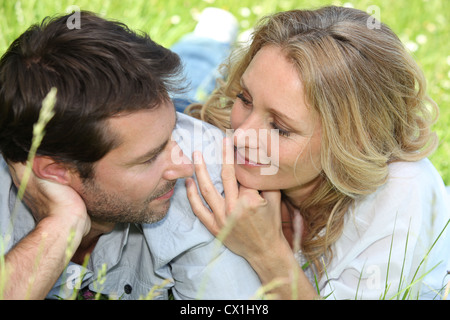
x,y
36,262
47,198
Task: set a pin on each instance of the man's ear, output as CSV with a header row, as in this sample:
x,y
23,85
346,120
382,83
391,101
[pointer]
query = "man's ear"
x,y
48,169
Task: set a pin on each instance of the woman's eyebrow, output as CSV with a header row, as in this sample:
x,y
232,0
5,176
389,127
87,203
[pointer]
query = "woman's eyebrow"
x,y
242,83
273,110
282,115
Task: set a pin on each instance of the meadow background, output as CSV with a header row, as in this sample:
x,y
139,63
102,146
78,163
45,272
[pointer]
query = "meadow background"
x,y
422,25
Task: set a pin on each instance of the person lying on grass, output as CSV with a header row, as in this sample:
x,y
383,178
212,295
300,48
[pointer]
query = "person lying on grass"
x,y
327,162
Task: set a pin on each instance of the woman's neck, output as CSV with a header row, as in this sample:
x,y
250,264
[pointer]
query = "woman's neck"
x,y
297,195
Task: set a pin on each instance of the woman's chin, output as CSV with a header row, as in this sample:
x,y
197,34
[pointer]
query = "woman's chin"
x,y
253,181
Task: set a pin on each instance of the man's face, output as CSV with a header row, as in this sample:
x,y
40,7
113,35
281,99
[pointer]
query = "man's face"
x,y
135,181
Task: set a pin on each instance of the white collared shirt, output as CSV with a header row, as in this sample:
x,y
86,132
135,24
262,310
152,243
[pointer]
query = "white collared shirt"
x,y
386,238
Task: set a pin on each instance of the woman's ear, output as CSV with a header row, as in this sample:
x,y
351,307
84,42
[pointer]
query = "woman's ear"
x,y
48,169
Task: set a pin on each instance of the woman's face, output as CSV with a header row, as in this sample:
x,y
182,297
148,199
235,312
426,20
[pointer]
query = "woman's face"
x,y
272,98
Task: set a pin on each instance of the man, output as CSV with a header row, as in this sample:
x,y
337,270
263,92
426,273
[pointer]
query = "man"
x,y
105,173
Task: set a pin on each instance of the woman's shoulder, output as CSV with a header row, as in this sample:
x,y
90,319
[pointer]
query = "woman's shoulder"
x,y
418,176
413,169
410,208
412,189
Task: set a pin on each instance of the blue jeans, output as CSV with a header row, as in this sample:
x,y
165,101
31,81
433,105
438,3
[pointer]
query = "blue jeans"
x,y
201,58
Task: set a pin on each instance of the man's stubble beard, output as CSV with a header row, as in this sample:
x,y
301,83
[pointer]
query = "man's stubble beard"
x,y
109,207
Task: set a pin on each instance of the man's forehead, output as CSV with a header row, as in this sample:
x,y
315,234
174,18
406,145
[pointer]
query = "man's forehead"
x,y
164,106
150,119
145,129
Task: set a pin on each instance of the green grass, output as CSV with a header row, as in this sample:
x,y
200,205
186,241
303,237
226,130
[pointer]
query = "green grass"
x,y
423,25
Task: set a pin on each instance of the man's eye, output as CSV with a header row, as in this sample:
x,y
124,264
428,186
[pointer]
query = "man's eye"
x,y
152,159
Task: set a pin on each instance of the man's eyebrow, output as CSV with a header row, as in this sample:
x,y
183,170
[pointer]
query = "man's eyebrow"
x,y
155,151
149,155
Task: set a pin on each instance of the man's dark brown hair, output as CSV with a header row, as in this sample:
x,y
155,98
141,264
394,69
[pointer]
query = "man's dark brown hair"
x,y
101,69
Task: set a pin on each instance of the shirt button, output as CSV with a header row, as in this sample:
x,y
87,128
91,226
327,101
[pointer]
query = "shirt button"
x,y
127,289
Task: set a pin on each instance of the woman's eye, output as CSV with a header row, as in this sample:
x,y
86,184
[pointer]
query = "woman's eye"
x,y
280,131
244,99
248,103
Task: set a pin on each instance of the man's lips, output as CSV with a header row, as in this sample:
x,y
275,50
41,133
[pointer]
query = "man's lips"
x,y
167,195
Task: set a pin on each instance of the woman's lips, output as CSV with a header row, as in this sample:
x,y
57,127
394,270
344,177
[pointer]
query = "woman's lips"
x,y
241,159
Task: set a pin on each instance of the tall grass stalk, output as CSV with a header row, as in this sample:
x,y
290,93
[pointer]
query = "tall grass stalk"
x,y
297,224
429,250
262,292
404,259
80,279
447,289
3,271
37,260
386,286
45,115
152,293
100,281
406,291
220,238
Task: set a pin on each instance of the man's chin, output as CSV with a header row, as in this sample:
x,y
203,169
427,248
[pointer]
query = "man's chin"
x,y
149,215
157,214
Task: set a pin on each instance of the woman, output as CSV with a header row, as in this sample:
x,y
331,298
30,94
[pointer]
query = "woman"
x,y
339,109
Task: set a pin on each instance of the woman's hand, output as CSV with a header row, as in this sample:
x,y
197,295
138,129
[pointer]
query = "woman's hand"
x,y
249,224
247,221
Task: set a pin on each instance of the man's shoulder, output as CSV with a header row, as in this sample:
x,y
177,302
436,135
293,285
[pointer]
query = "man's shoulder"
x,y
186,123
22,220
180,230
195,135
5,177
5,187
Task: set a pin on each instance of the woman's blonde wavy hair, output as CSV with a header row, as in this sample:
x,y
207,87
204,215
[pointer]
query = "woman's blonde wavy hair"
x,y
370,96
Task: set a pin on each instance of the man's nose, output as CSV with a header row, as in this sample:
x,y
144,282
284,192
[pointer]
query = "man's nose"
x,y
179,165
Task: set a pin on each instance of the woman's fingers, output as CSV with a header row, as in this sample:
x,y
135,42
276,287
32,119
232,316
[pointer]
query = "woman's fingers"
x,y
253,197
199,209
271,196
230,185
255,200
207,188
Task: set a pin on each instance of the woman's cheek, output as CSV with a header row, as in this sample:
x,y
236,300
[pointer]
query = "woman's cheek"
x,y
237,117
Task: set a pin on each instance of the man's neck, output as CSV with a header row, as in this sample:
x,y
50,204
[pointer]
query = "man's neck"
x,y
89,241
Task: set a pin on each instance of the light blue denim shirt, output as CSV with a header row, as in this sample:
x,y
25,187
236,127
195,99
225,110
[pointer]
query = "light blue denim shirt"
x,y
176,254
